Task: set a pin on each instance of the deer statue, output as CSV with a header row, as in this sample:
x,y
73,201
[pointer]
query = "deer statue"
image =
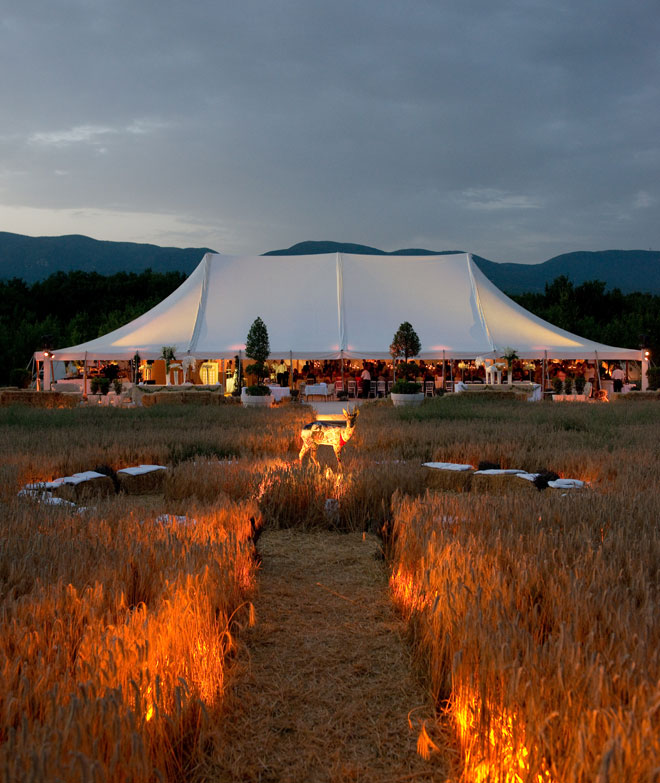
x,y
328,433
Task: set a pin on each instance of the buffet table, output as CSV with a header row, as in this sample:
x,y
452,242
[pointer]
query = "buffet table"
x,y
279,392
320,389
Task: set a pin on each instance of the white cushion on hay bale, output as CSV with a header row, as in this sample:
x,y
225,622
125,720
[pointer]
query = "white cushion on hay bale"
x,y
499,472
447,466
142,479
81,485
564,483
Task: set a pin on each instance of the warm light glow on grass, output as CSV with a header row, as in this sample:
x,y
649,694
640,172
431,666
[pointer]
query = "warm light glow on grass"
x,y
509,750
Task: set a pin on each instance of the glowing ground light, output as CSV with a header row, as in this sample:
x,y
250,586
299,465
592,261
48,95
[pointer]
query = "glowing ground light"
x,y
407,592
505,759
509,760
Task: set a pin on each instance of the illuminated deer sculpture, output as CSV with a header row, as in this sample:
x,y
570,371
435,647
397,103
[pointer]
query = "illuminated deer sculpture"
x,y
327,433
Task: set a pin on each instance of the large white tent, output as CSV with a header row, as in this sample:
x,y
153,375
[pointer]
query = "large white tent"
x,y
340,305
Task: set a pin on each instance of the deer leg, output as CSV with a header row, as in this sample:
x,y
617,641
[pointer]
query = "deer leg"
x,y
305,448
312,454
337,450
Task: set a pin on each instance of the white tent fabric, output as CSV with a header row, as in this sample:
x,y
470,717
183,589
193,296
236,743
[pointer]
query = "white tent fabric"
x,y
334,305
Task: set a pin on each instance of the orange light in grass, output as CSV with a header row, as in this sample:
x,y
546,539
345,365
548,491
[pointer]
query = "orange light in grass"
x,y
507,761
407,592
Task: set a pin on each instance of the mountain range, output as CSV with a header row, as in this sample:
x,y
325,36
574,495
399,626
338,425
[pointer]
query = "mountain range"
x,y
35,258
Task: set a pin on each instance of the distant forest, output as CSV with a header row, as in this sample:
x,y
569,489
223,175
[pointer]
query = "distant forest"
x,y
70,308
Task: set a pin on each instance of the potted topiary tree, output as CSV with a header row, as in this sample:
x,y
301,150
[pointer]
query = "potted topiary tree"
x,y
580,383
568,386
257,348
405,345
557,385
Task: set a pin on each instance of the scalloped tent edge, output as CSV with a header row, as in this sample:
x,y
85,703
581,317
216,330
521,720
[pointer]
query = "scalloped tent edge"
x,y
338,305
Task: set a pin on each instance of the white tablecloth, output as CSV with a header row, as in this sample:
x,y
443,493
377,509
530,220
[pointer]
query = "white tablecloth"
x,y
317,388
535,392
279,392
493,374
69,385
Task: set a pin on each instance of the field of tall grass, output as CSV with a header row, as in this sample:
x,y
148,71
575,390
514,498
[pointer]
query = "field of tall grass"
x,y
533,615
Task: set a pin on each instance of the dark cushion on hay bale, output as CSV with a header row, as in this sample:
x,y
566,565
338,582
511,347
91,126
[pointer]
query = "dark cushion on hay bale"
x,y
142,480
83,486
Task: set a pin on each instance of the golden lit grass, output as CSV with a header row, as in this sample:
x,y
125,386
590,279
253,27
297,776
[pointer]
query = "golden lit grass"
x,y
38,445
115,632
327,689
535,614
537,620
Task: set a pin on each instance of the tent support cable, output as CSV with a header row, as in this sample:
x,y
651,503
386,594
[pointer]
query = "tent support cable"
x,y
477,301
340,304
201,307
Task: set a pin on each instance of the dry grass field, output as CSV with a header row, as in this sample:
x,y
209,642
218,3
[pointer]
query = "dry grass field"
x,y
532,616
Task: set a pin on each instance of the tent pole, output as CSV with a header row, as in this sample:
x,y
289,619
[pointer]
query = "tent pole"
x,y
451,372
240,362
290,369
443,371
85,377
341,359
597,371
38,378
543,378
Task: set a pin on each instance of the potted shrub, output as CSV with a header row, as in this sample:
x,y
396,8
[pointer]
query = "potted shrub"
x,y
579,383
257,347
568,385
557,386
407,393
20,377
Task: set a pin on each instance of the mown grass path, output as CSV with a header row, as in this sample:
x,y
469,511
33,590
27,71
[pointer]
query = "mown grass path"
x,y
327,686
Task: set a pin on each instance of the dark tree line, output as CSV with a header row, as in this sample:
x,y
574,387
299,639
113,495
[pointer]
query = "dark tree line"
x,y
72,307
68,308
610,317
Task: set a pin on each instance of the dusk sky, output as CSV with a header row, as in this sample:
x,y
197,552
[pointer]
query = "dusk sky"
x,y
514,129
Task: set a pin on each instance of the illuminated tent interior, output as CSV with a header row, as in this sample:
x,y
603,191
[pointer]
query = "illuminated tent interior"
x,y
340,305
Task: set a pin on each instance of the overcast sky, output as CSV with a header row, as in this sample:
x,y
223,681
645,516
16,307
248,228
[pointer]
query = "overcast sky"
x,y
515,129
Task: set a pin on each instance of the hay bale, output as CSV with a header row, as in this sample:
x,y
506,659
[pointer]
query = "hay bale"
x,y
448,478
39,399
492,482
142,480
186,397
82,486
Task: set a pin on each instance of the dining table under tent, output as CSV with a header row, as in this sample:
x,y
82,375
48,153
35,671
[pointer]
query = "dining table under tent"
x,y
339,306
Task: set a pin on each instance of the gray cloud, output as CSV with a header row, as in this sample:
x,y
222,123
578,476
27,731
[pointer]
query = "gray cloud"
x,y
516,130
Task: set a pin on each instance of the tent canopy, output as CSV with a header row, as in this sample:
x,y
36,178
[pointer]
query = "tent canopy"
x,y
334,305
